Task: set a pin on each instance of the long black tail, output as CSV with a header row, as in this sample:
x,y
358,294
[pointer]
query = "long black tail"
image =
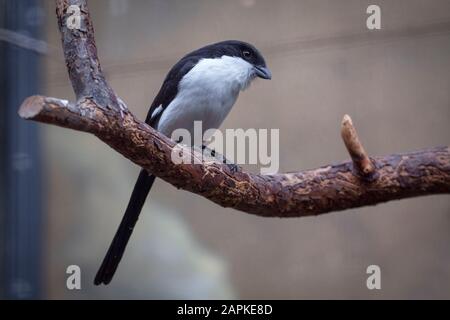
x,y
116,249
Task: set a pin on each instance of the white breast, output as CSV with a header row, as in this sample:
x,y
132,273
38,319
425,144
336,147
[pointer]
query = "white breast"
x,y
207,93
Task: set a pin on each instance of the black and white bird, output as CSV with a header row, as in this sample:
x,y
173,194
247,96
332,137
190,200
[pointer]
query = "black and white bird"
x,y
202,86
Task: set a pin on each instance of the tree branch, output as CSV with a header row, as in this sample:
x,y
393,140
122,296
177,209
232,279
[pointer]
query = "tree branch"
x,y
361,182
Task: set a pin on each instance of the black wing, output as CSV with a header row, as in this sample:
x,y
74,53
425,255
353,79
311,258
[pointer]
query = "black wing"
x,y
169,88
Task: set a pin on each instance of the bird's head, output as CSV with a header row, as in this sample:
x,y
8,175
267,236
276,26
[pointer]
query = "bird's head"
x,y
250,54
245,51
233,53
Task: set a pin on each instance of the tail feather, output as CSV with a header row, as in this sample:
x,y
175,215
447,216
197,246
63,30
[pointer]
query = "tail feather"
x,y
117,248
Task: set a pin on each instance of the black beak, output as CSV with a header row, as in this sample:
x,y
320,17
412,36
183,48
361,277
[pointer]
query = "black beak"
x,y
263,72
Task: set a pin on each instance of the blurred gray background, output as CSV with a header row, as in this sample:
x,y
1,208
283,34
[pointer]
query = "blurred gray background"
x,y
395,83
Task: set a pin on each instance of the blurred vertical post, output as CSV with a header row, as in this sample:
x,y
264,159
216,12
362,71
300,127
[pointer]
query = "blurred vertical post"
x,y
20,184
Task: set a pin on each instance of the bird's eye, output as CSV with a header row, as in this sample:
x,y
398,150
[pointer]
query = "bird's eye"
x,y
246,54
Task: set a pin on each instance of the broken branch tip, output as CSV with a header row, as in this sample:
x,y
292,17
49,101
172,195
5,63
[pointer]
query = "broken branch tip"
x,y
31,107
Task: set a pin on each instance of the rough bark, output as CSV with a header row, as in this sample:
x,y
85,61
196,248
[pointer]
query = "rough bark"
x,y
329,188
360,182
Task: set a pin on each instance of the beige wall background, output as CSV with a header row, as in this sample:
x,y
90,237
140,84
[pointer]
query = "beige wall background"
x,y
325,63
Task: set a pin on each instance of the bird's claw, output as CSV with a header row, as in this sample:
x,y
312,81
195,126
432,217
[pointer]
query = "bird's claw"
x,y
212,152
231,166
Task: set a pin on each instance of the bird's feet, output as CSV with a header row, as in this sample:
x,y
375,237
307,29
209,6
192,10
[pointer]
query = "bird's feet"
x,y
212,152
232,167
209,152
